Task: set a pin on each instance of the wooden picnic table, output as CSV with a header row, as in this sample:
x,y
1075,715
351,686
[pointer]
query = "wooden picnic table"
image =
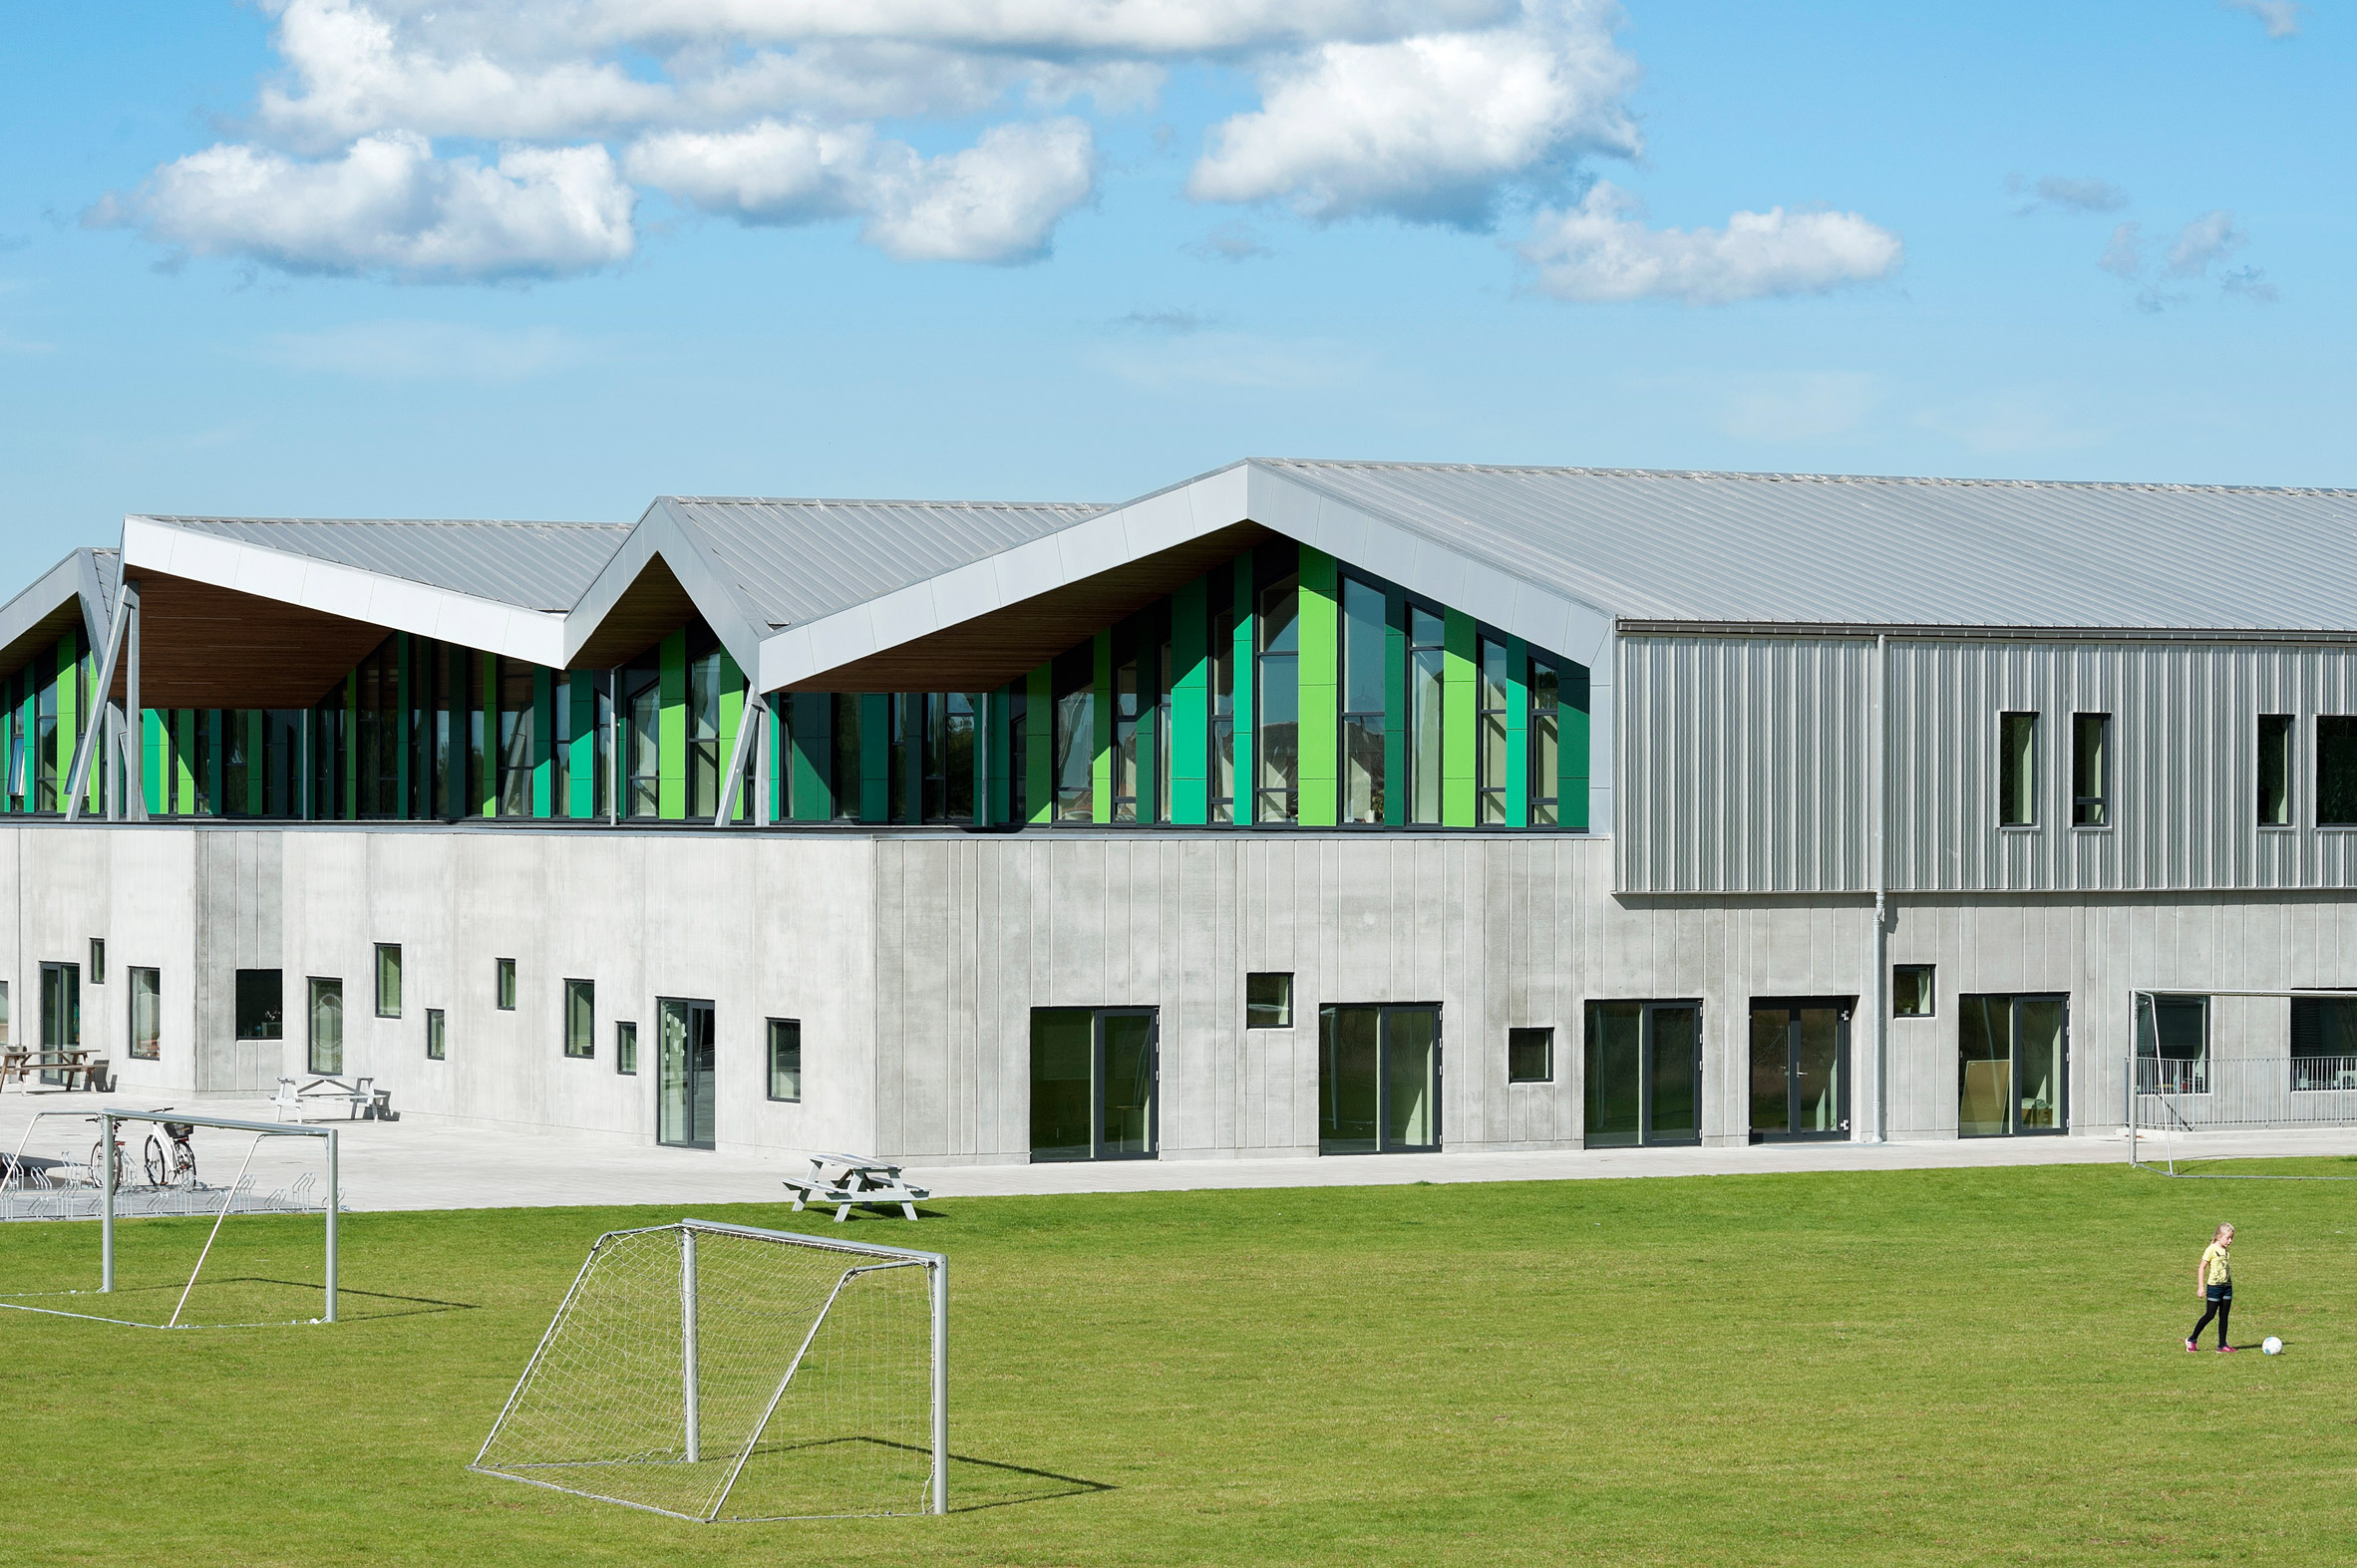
x,y
22,1061
849,1182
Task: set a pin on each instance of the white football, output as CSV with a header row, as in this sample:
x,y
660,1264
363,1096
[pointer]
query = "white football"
x,y
2273,1345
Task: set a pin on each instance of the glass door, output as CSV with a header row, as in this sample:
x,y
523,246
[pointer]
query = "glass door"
x,y
1379,1079
1800,1070
60,1015
327,1025
684,1072
1644,1073
1093,1076
2013,1066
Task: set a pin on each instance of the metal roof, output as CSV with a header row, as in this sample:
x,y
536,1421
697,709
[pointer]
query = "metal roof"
x,y
791,561
1838,550
532,566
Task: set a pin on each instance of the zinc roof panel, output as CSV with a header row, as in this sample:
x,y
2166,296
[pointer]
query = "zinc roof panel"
x,y
530,565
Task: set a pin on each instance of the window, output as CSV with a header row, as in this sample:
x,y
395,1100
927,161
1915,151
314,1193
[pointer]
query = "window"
x,y
1363,636
2173,1040
98,960
1092,1084
1223,663
1126,711
2017,770
948,760
436,1043
642,752
626,1048
1489,730
704,761
2324,1043
844,777
1075,740
785,1059
515,737
146,1014
2275,769
1644,1073
1546,746
327,1025
2012,1064
2336,772
581,1015
1530,1055
1911,992
260,1004
3,1012
388,980
1269,1001
1427,660
1278,712
506,977
2091,772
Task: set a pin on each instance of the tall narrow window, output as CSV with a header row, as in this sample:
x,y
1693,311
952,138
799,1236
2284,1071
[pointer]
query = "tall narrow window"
x,y
2336,772
643,751
1223,672
146,1014
1020,804
580,1016
904,713
602,749
1165,676
1126,713
1076,742
388,980
1427,657
1490,752
1362,701
846,757
1546,746
515,737
449,766
950,760
98,960
1278,710
327,1025
2091,770
503,984
2275,769
2017,770
437,1036
785,1059
560,749
626,1048
702,738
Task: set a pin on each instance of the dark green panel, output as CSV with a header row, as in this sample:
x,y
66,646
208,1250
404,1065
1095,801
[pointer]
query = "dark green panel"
x,y
1190,705
810,737
875,757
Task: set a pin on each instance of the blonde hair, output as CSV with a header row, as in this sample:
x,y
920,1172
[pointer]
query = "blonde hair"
x,y
2219,1234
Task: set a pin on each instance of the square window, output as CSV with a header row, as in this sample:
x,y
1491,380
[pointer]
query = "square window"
x,y
388,980
436,1043
98,960
261,1012
507,984
625,1047
785,1059
1530,1055
1911,993
1269,1001
581,1018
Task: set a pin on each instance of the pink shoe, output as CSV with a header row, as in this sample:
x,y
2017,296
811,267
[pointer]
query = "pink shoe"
x,y
2226,1350
2190,1345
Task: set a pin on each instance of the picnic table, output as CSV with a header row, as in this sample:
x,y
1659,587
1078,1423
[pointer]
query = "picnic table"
x,y
848,1182
22,1061
360,1097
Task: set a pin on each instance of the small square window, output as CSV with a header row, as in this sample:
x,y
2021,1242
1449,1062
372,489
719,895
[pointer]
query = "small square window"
x,y
388,980
581,1018
1911,994
507,984
785,1059
435,1041
1530,1055
1269,1001
625,1047
98,960
260,1004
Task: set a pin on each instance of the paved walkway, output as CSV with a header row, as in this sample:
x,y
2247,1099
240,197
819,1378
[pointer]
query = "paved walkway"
x,y
410,1164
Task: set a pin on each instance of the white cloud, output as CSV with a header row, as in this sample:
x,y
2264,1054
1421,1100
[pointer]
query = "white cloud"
x,y
767,173
2211,237
2281,18
998,200
2124,254
1601,250
389,207
1434,128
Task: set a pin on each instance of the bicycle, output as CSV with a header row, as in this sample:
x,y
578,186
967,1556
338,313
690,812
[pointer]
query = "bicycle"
x,y
98,1161
169,1168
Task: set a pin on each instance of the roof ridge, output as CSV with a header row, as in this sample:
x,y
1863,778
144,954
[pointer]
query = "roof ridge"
x,y
382,522
847,500
1932,480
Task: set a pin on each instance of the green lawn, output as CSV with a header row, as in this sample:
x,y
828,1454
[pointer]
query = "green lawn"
x,y
1928,1367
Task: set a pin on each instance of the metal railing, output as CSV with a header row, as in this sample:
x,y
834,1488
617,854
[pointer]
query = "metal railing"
x,y
2242,1094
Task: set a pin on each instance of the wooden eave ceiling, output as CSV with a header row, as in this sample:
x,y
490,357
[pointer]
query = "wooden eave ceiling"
x,y
207,647
991,649
44,634
649,610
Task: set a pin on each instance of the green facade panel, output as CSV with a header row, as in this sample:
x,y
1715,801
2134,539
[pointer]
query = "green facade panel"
x,y
1039,743
1190,705
1320,735
1517,733
1459,719
671,729
1101,738
875,757
809,769
580,764
732,719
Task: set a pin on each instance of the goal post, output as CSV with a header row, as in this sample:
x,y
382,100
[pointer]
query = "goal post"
x,y
2270,1069
711,1371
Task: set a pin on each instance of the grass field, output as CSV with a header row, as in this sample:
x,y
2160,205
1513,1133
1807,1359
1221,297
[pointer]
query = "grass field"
x,y
1924,1367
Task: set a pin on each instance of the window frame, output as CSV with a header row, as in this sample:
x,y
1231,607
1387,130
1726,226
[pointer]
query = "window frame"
x,y
2286,735
503,984
1428,667
1284,975
381,949
1543,1036
626,1046
1363,735
98,961
785,1033
581,1044
316,988
2091,809
1493,728
1930,972
2019,814
277,1025
153,997
437,1036
1545,806
2345,735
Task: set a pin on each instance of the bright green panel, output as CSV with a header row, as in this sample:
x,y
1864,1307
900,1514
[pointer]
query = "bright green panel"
x,y
258,772
184,760
1396,794
1459,719
1573,787
732,718
544,742
1190,705
1517,733
875,757
580,765
405,655
1321,693
1101,741
217,757
1039,743
68,714
811,738
1246,651
489,783
671,729
7,741
155,761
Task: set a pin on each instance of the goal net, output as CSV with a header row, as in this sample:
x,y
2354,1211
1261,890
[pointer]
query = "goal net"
x,y
718,1371
2214,1064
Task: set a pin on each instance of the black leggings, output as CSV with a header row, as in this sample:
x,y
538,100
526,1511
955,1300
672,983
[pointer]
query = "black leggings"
x,y
2219,1306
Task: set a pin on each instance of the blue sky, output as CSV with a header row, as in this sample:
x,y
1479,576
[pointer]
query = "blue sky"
x,y
162,352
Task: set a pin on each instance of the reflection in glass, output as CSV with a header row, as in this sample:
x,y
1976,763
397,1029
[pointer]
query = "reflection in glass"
x,y
684,1075
1817,1070
1984,1050
1062,1043
643,751
327,1025
1128,1118
1279,710
1076,742
1615,1055
1362,701
1771,1063
1426,660
1411,1078
1546,746
1490,734
1349,1084
2038,1047
1223,663
1674,1046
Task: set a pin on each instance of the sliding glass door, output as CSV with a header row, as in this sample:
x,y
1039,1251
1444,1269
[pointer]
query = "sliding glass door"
x,y
2013,1066
1644,1073
1800,1070
1093,1077
1379,1079
684,1072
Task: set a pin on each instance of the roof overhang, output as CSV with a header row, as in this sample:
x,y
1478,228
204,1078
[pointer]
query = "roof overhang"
x,y
76,591
656,580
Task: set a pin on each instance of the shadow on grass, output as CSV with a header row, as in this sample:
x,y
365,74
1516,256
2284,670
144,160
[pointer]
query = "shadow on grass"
x,y
238,1301
975,1485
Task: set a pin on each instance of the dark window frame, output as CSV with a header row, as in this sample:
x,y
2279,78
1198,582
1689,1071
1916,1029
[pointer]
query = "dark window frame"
x,y
503,984
275,1020
1285,1006
380,950
1493,728
155,999
626,1046
1364,731
1930,989
782,1033
2017,795
581,1044
98,961
2091,807
1517,1042
2336,798
437,1036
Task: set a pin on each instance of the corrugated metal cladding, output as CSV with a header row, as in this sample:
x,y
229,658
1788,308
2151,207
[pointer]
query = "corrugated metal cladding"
x,y
532,566
1743,766
796,561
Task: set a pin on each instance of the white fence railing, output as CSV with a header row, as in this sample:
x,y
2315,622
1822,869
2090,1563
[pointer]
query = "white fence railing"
x,y
2242,1094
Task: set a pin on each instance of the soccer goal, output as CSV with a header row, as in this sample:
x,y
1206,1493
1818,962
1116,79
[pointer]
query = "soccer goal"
x,y
718,1371
2182,1089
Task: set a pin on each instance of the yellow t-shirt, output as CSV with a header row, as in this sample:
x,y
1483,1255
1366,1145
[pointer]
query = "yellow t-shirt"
x,y
2214,1266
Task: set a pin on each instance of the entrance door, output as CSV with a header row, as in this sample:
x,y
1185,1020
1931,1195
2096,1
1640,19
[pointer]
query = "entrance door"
x,y
60,1015
1092,1074
1644,1073
684,1073
1799,1069
2013,1066
1379,1079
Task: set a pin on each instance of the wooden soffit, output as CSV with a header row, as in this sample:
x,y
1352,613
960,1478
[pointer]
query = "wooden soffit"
x,y
649,610
203,646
